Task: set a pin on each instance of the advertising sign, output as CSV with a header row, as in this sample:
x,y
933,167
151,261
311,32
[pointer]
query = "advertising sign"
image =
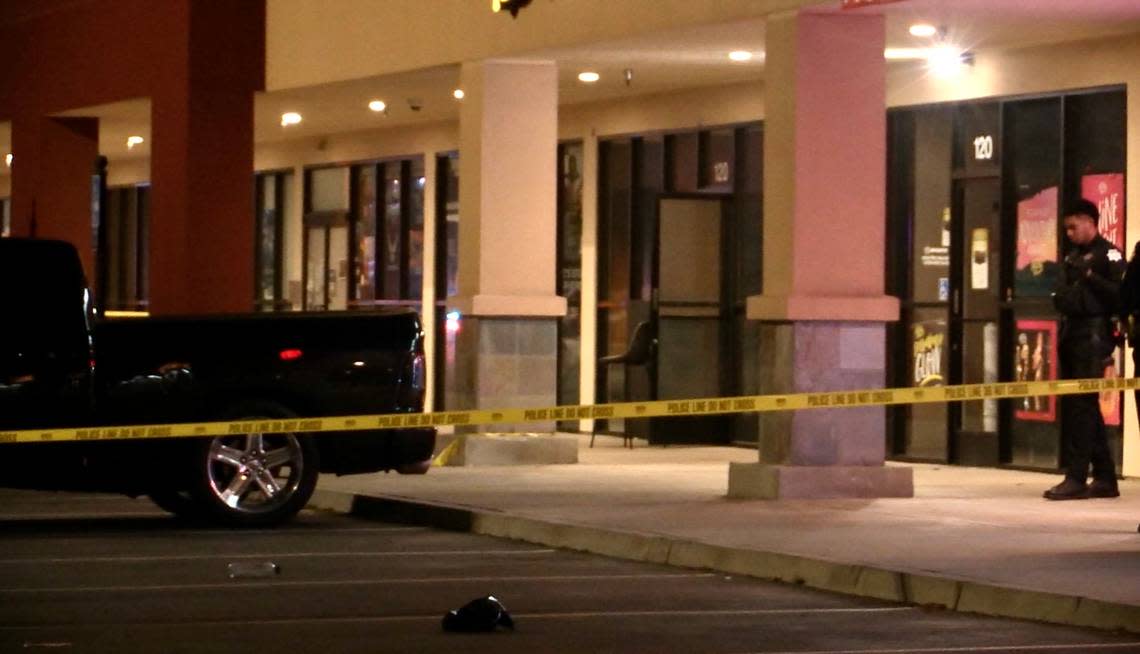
x,y
1107,193
929,348
1037,243
1035,359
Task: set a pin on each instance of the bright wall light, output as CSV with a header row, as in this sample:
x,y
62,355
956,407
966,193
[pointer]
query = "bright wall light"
x,y
290,118
8,160
589,77
458,94
132,141
452,323
377,105
945,61
923,30
740,55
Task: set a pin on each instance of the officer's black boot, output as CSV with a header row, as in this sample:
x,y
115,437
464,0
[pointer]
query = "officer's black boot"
x,y
1104,488
1070,489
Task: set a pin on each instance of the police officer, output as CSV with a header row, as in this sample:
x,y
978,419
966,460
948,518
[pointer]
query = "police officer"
x,y
1087,297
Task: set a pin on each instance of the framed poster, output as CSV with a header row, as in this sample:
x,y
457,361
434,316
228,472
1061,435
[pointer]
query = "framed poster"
x,y
929,341
1035,359
1107,193
1036,244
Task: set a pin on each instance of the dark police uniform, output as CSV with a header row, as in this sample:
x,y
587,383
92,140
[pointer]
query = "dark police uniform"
x,y
1088,298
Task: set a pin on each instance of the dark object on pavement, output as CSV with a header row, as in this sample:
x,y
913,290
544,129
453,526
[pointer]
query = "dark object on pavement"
x,y
478,615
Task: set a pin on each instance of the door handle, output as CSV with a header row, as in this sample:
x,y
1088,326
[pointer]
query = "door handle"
x,y
957,304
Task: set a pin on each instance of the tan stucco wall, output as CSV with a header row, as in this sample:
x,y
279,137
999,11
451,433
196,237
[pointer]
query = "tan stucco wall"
x,y
315,41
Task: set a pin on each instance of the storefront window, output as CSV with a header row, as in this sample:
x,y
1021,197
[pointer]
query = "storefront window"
x,y
975,193
569,272
5,217
274,195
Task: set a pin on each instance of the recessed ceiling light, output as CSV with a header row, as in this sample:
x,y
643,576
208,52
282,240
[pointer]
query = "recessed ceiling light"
x,y
740,55
589,77
458,94
290,118
377,105
923,30
132,141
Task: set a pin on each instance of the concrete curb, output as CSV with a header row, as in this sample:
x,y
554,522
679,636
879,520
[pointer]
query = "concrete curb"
x,y
846,578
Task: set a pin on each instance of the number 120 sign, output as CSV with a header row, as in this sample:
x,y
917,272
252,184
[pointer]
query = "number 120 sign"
x,y
984,148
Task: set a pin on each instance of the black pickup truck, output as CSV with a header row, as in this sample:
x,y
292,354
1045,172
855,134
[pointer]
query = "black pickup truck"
x,y
62,367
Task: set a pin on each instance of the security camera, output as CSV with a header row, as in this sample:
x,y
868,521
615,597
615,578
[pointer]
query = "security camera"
x,y
415,104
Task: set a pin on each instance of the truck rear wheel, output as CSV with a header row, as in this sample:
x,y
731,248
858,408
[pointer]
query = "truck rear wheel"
x,y
255,478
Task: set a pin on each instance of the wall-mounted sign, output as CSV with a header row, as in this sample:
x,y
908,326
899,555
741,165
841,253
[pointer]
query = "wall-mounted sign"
x,y
721,172
980,259
984,148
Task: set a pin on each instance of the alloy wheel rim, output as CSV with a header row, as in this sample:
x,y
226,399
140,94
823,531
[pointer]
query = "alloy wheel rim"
x,y
254,473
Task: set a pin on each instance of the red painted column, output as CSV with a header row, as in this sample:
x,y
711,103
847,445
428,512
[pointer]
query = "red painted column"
x,y
202,231
52,191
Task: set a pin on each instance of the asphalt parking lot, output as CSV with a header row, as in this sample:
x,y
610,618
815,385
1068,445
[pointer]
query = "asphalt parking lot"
x,y
90,573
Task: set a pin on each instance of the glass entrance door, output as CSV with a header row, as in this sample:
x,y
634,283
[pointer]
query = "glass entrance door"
x,y
976,318
691,317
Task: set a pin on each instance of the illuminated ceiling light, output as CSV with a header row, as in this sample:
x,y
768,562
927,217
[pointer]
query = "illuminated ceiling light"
x,y
512,6
740,55
8,159
589,77
923,30
458,94
290,118
378,106
132,141
900,54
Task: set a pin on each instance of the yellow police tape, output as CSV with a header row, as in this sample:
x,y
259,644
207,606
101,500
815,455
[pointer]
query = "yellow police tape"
x,y
692,407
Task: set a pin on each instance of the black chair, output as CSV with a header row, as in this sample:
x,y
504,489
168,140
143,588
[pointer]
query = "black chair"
x,y
641,352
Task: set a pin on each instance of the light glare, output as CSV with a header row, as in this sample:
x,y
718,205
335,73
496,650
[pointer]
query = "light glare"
x,y
132,141
740,55
923,30
458,94
377,105
290,118
589,77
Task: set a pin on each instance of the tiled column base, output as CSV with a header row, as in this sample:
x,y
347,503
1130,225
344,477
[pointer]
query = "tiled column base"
x,y
772,482
505,363
823,452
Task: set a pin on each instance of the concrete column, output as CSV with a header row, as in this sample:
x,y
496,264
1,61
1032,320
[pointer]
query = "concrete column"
x,y
823,311
507,343
52,181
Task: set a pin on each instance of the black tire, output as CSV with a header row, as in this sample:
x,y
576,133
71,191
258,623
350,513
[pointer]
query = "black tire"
x,y
177,502
254,479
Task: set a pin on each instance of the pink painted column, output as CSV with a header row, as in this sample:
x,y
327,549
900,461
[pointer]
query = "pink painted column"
x,y
823,310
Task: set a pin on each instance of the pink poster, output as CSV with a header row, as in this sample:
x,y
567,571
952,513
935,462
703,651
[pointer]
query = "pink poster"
x,y
1106,191
1037,228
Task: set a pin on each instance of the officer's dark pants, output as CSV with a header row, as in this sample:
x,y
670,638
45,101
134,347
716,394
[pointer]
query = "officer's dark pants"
x,y
1085,345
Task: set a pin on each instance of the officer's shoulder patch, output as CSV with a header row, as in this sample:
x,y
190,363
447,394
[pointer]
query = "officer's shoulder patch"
x,y
1115,255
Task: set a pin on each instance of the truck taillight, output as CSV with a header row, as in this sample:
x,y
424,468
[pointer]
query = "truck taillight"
x,y
414,383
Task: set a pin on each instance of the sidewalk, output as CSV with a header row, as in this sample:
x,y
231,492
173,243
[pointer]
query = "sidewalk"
x,y
972,539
